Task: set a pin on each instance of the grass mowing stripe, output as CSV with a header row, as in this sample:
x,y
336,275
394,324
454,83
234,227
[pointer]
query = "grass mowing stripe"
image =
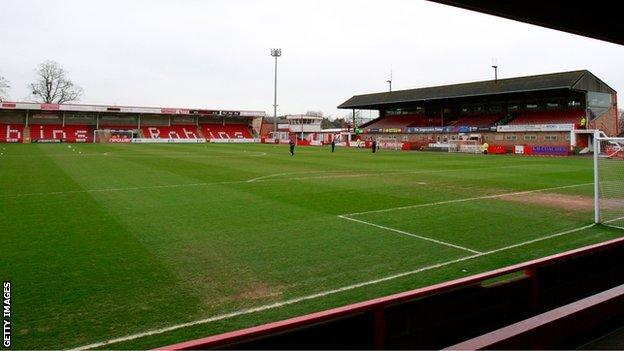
x,y
465,199
318,295
234,247
411,234
261,179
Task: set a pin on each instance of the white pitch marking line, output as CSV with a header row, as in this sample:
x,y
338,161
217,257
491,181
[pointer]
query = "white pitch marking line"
x,y
614,219
315,296
465,199
271,176
412,235
268,176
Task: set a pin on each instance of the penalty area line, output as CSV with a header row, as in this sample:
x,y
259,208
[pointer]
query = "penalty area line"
x,y
440,242
494,196
317,295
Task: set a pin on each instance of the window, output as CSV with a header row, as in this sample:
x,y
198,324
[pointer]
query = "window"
x,y
598,99
567,137
513,107
598,103
511,137
530,137
550,137
486,137
498,137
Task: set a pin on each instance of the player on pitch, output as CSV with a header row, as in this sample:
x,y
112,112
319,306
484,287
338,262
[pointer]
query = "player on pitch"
x,y
291,144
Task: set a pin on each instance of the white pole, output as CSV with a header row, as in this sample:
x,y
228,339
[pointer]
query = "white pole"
x,y
596,179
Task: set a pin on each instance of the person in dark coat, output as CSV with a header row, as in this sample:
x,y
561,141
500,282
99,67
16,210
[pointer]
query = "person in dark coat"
x,y
333,144
291,143
374,145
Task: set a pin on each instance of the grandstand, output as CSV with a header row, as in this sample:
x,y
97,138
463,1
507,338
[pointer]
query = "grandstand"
x,y
536,111
22,122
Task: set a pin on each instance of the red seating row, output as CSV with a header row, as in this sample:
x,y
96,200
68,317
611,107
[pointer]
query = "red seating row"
x,y
118,127
171,132
11,133
395,122
71,134
228,131
549,117
478,120
74,133
426,122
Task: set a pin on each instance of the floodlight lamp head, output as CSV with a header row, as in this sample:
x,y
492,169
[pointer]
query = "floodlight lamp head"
x,y
276,52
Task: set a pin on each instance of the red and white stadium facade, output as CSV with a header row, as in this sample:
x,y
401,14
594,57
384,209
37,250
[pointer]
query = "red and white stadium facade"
x,y
78,123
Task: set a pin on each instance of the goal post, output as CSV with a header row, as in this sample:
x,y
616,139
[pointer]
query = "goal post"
x,y
112,136
465,146
389,143
608,179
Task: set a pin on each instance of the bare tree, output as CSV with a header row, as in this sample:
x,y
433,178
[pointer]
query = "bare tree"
x,y
359,118
53,86
4,88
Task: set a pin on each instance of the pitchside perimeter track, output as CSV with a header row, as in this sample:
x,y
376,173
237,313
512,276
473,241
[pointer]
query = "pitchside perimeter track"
x,y
125,246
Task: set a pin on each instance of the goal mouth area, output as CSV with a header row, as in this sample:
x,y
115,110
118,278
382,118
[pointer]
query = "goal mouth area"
x,y
465,146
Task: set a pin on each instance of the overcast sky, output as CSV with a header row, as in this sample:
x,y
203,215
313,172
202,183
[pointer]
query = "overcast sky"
x,y
215,54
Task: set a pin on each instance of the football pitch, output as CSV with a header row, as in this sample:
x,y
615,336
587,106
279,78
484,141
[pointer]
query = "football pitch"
x,y
138,246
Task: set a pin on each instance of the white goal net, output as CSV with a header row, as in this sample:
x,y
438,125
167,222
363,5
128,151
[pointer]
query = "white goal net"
x,y
609,180
389,143
467,146
112,136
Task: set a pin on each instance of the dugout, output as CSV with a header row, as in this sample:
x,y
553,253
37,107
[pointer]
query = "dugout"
x,y
537,111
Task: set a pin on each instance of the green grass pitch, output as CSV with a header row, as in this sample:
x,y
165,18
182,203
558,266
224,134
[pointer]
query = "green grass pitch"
x,y
107,242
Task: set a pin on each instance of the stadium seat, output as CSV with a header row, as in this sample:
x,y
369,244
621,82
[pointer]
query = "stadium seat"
x,y
549,117
478,120
70,134
228,131
118,127
403,121
11,133
170,132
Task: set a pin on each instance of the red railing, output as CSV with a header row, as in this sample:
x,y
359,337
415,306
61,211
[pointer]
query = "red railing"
x,y
376,307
